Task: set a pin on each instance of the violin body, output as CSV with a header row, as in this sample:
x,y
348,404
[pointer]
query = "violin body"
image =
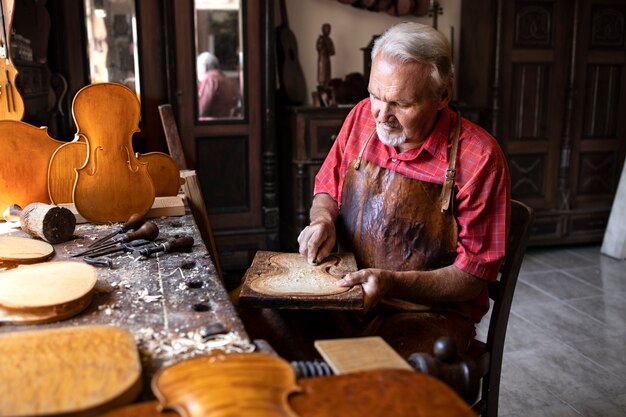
x,y
11,102
112,183
23,174
68,157
62,170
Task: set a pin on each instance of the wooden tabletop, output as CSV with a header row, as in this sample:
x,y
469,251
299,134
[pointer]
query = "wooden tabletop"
x,y
174,304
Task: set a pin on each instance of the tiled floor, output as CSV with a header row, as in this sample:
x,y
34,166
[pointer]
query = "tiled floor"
x,y
565,352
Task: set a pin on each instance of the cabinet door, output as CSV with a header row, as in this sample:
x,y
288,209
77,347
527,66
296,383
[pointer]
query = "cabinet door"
x,y
230,150
598,122
534,56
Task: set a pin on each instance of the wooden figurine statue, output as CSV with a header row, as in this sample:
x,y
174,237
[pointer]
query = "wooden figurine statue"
x,y
326,49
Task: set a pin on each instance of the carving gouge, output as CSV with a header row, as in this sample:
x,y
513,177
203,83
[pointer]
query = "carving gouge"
x,y
179,244
135,221
120,247
148,231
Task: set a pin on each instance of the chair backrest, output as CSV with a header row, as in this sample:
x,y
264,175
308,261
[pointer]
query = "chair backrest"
x,y
171,135
501,292
192,188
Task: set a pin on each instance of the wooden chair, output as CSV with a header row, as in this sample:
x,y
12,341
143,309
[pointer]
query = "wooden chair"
x,y
483,360
488,355
192,188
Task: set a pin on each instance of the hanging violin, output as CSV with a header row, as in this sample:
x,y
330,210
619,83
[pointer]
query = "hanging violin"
x,y
11,102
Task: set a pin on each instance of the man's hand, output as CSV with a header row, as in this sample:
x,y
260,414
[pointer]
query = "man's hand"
x,y
317,241
375,282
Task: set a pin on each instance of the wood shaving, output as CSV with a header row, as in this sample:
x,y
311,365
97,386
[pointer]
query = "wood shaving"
x,y
167,348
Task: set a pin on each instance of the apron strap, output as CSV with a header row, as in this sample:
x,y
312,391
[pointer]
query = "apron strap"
x,y
357,162
446,191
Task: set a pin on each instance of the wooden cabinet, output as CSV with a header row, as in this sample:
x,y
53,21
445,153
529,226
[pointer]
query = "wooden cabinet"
x,y
307,135
551,77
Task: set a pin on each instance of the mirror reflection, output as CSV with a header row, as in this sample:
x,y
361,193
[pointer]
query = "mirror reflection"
x,y
219,59
112,42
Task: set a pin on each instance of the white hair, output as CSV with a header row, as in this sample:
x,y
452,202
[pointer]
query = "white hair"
x,y
411,41
206,61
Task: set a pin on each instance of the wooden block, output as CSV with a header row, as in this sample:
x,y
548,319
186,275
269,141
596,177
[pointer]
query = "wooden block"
x,y
359,354
76,370
162,207
258,291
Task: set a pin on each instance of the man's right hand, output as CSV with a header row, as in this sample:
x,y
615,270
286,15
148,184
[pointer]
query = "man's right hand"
x,y
317,241
318,238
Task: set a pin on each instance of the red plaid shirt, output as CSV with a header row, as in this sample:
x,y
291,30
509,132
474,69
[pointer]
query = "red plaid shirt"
x,y
482,183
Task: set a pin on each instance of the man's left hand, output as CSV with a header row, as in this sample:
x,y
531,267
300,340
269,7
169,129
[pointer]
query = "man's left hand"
x,y
375,282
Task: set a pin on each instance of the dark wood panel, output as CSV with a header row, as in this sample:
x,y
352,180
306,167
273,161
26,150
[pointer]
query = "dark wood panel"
x,y
596,173
607,26
534,24
527,175
601,104
530,101
222,165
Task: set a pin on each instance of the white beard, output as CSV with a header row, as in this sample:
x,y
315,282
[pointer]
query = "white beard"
x,y
387,139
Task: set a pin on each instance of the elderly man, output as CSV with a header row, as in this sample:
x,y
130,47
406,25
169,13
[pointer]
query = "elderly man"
x,y
420,195
218,95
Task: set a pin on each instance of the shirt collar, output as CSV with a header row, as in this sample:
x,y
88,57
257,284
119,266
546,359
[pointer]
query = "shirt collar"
x,y
437,142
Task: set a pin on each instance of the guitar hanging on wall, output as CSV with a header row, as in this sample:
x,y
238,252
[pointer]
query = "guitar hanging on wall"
x,y
290,73
11,102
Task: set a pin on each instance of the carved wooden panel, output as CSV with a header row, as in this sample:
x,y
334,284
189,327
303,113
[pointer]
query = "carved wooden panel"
x,y
602,88
607,26
527,175
596,173
533,24
530,101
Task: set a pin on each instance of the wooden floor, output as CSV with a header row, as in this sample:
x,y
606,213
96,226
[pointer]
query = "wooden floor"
x,y
565,352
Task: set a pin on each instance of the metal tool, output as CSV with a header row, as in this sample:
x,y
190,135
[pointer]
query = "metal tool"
x,y
121,247
179,244
106,261
135,221
148,231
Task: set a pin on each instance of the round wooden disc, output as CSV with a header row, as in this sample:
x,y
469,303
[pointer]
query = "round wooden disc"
x,y
23,249
46,284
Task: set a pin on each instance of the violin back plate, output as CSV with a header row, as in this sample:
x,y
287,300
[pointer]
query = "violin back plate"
x,y
75,370
24,169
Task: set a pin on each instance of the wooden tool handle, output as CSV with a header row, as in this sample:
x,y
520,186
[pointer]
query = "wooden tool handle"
x,y
180,244
148,231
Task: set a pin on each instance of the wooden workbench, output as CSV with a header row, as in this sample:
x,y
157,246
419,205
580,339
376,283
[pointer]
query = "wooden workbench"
x,y
174,304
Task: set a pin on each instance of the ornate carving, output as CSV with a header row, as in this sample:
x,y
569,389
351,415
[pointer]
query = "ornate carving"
x,y
527,175
595,175
533,26
607,27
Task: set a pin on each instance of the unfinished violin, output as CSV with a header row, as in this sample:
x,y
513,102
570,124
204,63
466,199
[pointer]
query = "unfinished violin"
x,y
11,102
112,184
24,175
